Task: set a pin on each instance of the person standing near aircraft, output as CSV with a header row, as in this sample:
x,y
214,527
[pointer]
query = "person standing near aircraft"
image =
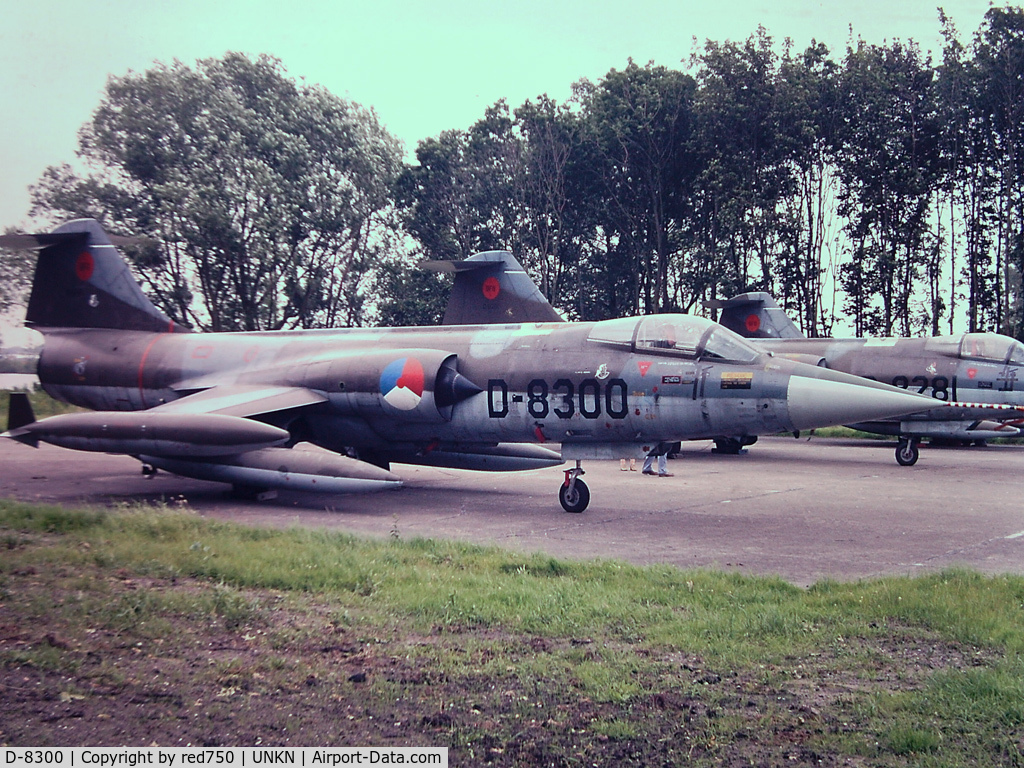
x,y
661,454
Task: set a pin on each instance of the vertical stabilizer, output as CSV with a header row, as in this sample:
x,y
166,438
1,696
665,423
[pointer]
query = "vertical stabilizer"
x,y
492,287
82,281
756,316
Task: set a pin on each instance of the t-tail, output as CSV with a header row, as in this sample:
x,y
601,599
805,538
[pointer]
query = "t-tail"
x,y
755,316
492,287
82,281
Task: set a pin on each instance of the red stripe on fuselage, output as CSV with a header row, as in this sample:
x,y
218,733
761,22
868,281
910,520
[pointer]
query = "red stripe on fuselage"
x,y
142,365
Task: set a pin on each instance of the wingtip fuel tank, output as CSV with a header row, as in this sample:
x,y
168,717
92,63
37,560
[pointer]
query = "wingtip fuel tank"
x,y
296,469
149,432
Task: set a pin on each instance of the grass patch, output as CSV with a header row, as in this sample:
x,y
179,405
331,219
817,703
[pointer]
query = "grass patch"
x,y
506,658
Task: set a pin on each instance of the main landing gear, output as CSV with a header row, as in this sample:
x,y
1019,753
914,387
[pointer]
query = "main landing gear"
x,y
574,496
907,451
732,446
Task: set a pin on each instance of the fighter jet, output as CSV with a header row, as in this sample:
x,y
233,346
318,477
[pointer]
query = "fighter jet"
x,y
331,410
985,370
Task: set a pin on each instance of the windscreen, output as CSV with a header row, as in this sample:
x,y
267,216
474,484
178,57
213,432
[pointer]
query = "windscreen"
x,y
723,344
1017,353
987,346
678,335
693,337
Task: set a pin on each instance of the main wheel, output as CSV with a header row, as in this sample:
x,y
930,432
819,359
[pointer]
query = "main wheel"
x,y
574,497
730,446
907,452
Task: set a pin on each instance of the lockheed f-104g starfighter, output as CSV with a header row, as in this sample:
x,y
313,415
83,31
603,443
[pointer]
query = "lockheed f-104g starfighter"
x,y
976,379
332,410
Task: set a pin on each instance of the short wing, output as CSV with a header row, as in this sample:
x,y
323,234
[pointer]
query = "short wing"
x,y
244,400
307,468
957,420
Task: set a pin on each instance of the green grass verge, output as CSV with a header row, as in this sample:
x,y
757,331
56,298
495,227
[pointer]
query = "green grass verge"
x,y
928,667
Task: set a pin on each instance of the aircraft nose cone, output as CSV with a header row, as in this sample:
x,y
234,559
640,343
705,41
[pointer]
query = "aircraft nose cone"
x,y
837,399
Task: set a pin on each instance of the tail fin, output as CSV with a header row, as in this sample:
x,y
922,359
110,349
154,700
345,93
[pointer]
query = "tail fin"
x,y
82,281
492,287
755,316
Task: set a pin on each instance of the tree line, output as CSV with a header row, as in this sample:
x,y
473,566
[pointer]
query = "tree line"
x,y
880,188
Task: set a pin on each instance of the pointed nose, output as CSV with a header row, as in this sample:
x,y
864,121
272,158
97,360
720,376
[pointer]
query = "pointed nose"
x,y
827,398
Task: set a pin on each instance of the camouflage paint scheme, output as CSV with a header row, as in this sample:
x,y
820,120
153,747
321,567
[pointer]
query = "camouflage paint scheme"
x,y
332,409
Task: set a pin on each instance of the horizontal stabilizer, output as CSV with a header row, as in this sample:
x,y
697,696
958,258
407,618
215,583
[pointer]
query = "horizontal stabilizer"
x,y
243,400
40,240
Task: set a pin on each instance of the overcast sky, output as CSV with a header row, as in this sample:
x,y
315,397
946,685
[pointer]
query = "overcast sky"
x,y
424,65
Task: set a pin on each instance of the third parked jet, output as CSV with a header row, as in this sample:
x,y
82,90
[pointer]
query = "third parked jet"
x,y
984,369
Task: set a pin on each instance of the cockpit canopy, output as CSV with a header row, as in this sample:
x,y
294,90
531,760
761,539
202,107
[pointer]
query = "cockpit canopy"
x,y
993,347
685,336
990,347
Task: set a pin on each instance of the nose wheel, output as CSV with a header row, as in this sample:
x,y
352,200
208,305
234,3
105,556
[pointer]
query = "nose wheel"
x,y
907,452
574,495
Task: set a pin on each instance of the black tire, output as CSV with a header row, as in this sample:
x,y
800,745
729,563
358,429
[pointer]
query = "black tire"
x,y
907,453
574,498
252,493
728,446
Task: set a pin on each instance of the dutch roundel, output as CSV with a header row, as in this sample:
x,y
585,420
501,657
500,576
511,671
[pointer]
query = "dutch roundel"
x,y
401,383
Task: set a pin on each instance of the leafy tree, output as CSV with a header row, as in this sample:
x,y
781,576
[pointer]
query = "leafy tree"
x,y
458,199
407,295
557,218
268,201
968,184
638,123
502,184
807,114
15,276
744,174
888,162
999,59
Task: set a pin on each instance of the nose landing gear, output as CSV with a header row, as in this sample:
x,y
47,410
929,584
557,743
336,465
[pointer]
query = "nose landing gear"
x,y
908,452
574,495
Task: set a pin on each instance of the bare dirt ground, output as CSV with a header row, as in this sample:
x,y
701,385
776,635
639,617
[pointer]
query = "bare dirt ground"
x,y
290,674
